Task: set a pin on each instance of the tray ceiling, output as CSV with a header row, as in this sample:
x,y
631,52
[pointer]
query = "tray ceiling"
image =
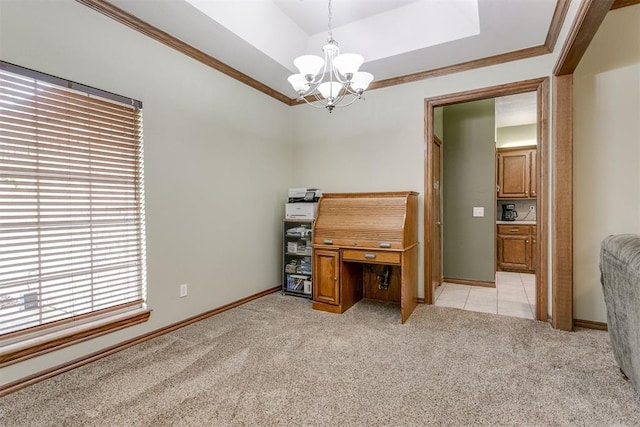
x,y
261,38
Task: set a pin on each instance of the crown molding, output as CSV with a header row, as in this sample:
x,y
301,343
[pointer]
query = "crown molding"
x,y
587,21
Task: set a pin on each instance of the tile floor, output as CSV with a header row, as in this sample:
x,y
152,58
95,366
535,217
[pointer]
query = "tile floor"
x,y
514,295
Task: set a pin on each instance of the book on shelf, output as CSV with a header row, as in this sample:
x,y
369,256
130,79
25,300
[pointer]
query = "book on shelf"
x,y
295,282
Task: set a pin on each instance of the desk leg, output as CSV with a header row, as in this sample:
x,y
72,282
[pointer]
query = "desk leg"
x,y
351,284
409,283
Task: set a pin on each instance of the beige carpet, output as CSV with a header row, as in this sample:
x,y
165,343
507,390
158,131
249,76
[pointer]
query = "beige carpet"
x,y
275,361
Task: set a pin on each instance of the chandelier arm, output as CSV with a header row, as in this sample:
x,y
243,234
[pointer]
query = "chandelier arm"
x,y
338,98
314,105
312,99
348,91
317,98
312,88
353,92
324,69
320,102
340,78
355,98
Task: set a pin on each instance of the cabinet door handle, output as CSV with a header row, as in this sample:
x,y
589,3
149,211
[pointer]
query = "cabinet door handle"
x,y
370,256
514,230
385,245
328,242
335,278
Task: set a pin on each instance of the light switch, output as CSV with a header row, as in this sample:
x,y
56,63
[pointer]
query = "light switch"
x,y
478,212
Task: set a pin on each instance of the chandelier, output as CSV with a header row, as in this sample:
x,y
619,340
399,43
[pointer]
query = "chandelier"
x,y
330,82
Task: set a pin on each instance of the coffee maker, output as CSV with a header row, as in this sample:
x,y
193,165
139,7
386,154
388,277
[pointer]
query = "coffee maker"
x,y
509,212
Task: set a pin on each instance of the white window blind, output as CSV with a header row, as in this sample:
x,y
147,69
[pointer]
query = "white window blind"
x,y
71,205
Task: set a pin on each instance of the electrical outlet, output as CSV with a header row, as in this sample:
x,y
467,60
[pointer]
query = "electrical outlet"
x,y
183,290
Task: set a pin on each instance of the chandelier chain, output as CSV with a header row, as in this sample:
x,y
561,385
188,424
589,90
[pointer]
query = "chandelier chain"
x,y
329,7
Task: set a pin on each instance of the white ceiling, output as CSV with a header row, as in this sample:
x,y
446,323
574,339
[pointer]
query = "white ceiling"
x,y
309,14
261,38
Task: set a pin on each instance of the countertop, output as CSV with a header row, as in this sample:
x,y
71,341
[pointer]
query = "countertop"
x,y
516,222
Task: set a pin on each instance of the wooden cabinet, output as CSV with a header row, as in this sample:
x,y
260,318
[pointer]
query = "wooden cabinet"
x,y
325,276
516,248
532,173
516,173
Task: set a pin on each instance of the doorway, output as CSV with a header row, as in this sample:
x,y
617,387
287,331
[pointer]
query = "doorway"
x,y
432,229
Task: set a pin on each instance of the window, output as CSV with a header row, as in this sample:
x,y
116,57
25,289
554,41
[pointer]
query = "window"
x,y
71,204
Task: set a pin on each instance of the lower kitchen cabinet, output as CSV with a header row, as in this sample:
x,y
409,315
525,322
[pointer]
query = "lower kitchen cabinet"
x,y
516,248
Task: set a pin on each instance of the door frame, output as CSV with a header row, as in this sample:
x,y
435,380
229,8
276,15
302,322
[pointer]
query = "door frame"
x,y
587,20
435,141
541,87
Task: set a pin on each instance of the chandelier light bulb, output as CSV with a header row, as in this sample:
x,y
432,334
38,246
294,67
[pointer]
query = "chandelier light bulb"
x,y
308,65
299,83
360,81
329,90
348,63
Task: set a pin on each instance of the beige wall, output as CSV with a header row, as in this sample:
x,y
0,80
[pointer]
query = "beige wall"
x,y
606,151
217,160
516,136
469,180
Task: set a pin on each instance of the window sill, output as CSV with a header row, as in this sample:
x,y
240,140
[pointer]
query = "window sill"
x,y
26,348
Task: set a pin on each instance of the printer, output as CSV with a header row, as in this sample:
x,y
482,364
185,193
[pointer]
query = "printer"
x,y
303,203
304,195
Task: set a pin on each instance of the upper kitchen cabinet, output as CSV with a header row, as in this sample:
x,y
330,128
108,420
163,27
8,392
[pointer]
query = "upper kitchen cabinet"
x,y
516,173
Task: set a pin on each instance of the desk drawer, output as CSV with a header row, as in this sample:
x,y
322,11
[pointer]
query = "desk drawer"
x,y
374,257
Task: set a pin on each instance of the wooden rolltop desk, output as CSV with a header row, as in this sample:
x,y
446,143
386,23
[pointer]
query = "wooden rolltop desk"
x,y
366,246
